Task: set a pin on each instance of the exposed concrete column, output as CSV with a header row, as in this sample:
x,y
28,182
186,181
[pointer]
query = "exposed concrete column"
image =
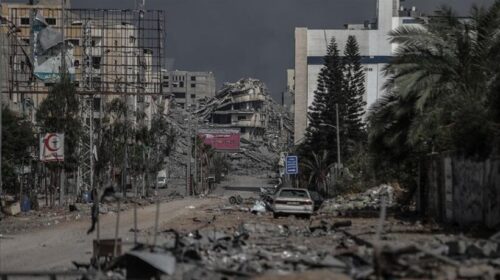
x,y
301,77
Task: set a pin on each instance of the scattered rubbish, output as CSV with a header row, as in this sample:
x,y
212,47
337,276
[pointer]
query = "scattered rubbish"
x,y
12,208
258,207
72,208
369,200
191,207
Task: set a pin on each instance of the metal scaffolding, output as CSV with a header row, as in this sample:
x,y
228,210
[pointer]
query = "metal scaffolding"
x,y
108,52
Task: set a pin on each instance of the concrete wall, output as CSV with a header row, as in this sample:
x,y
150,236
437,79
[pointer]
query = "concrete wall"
x,y
301,79
461,191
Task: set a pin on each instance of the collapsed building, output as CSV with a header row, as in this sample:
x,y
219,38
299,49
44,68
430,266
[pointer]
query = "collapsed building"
x,y
265,126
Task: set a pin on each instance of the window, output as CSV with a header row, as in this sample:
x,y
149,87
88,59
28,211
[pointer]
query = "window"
x,y
174,85
180,94
131,39
51,21
166,84
193,96
241,118
166,77
97,104
193,78
181,84
96,62
25,21
193,85
77,63
74,42
27,41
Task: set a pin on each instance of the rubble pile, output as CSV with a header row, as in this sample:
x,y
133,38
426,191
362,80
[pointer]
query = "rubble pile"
x,y
261,248
265,131
369,200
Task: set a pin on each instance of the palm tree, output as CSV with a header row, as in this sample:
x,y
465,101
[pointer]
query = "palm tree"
x,y
318,168
443,86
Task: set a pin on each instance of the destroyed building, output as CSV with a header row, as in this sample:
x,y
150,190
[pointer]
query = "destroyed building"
x,y
188,87
265,126
106,53
245,106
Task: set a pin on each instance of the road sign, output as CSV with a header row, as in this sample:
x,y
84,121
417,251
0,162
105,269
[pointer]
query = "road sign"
x,y
292,165
52,147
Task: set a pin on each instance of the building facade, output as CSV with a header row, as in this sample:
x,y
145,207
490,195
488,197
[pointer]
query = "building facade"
x,y
375,49
188,88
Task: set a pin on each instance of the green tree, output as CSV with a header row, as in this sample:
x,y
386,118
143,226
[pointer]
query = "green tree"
x,y
443,90
17,141
59,112
353,130
318,167
320,133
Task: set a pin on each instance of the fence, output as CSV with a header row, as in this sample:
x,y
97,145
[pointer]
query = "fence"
x,y
462,191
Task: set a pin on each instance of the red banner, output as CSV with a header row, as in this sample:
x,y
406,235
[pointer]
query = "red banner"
x,y
227,140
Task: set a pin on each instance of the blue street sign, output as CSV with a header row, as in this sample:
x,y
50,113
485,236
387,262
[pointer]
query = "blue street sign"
x,y
292,165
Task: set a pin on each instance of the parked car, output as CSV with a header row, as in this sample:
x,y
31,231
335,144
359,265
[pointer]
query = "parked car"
x,y
293,201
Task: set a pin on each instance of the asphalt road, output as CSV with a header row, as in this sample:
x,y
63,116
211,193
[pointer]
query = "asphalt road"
x,y
56,247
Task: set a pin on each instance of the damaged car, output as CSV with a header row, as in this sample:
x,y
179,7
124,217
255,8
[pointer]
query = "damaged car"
x,y
289,201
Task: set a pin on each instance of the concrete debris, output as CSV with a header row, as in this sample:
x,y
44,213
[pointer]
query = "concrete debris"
x,y
253,248
369,200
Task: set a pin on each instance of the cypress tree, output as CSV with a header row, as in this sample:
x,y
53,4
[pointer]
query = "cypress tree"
x,y
353,104
320,133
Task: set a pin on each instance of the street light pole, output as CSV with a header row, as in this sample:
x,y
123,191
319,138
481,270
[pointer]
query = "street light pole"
x,y
338,134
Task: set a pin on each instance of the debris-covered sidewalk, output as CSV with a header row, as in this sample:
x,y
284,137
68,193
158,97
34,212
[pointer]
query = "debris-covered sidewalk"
x,y
226,243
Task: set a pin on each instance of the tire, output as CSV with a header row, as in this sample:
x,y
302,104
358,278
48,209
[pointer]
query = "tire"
x,y
232,200
239,199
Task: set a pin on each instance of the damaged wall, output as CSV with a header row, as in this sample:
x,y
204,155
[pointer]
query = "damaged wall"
x,y
458,190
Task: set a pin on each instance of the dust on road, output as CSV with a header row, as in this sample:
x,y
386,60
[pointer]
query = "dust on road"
x,y
58,246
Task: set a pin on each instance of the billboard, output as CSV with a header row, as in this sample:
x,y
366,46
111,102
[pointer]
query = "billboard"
x,y
52,147
224,140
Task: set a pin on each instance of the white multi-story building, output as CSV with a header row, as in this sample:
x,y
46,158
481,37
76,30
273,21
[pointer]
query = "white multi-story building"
x,y
375,49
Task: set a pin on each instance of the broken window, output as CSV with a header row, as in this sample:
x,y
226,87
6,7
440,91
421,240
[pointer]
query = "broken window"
x,y
181,84
74,42
50,21
25,21
193,78
294,194
193,96
96,62
180,94
241,118
193,85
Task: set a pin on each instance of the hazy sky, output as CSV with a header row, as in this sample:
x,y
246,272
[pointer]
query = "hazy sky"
x,y
253,38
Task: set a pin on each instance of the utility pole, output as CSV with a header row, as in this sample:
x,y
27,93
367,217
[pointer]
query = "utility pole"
x,y
195,152
2,76
63,48
338,135
188,157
